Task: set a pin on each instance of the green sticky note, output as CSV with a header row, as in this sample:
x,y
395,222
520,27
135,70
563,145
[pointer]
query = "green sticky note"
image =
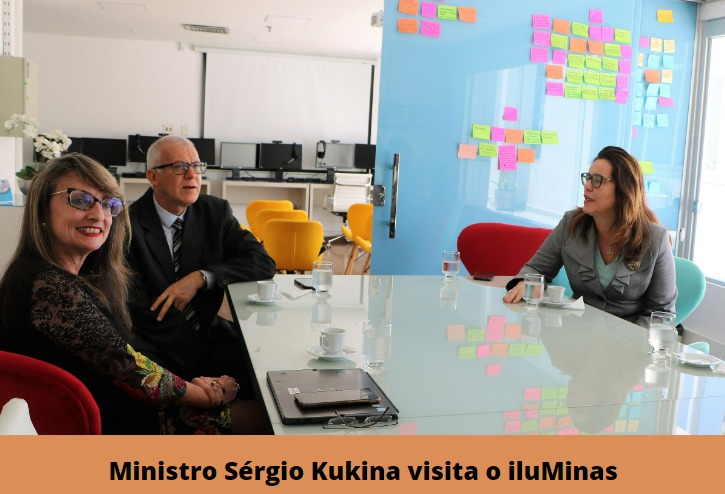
x,y
580,29
648,167
622,36
548,137
517,349
559,41
550,404
532,137
572,91
562,410
529,425
590,92
547,411
575,61
612,49
482,131
594,62
608,79
448,12
563,392
549,393
591,77
574,76
606,93
488,150
475,335
466,352
610,64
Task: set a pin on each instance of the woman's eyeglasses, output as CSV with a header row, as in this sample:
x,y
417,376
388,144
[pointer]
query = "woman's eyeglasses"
x,y
341,421
80,199
596,179
180,167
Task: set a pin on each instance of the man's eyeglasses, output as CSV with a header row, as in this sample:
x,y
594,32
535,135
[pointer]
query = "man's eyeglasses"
x,y
596,179
80,199
180,167
341,421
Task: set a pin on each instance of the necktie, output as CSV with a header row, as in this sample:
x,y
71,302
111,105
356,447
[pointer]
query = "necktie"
x,y
189,311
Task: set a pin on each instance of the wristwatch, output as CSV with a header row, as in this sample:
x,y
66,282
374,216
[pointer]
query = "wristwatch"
x,y
203,277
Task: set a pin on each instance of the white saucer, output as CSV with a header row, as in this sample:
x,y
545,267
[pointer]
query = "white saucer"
x,y
320,354
697,359
558,305
255,298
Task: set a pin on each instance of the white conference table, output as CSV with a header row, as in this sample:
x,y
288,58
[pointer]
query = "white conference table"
x,y
463,362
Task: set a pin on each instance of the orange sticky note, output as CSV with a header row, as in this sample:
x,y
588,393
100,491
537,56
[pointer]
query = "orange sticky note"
x,y
651,75
596,47
578,45
665,16
547,422
500,349
408,7
515,136
407,26
562,26
467,151
513,331
467,14
554,71
526,155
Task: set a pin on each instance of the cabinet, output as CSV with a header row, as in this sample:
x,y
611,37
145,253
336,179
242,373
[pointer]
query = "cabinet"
x,y
19,83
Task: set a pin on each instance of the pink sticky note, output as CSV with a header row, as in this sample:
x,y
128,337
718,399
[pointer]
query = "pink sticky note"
x,y
595,33
625,67
644,41
621,96
541,21
634,132
493,370
538,55
456,332
532,394
498,134
625,51
542,38
408,429
512,414
483,351
512,426
607,34
664,101
559,57
623,81
555,88
596,16
494,335
467,151
638,387
429,9
532,414
430,28
496,322
510,113
507,161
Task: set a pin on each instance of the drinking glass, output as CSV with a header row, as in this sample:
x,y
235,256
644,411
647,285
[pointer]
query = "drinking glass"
x,y
451,264
662,334
533,291
376,345
321,278
320,315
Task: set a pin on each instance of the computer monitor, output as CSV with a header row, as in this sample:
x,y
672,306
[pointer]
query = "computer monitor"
x,y
280,157
108,152
205,148
138,146
365,156
238,155
334,155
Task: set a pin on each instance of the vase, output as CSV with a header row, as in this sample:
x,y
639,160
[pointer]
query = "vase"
x,y
24,185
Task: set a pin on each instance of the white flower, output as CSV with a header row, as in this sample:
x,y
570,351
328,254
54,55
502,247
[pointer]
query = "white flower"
x,y
50,145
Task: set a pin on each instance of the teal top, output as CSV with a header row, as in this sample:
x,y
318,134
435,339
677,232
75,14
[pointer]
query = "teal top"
x,y
605,272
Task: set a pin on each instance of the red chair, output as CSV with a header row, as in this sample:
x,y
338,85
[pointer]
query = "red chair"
x,y
59,403
499,248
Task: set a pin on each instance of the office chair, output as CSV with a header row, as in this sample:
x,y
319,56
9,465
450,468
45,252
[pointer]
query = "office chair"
x,y
690,287
294,245
265,215
59,403
367,246
359,224
256,206
350,188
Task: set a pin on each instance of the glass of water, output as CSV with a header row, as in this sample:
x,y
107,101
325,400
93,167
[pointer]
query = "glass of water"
x,y
376,345
321,278
662,334
451,264
533,291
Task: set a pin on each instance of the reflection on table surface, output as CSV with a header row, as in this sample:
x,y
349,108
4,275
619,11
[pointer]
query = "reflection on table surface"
x,y
463,362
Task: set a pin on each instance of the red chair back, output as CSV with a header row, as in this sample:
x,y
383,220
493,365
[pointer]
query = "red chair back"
x,y
59,403
499,248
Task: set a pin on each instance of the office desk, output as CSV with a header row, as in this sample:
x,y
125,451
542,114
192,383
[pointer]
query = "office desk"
x,y
463,362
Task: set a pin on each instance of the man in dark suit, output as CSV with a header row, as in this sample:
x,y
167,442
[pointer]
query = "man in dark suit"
x,y
181,268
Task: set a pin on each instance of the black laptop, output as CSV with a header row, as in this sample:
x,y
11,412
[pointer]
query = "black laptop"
x,y
285,384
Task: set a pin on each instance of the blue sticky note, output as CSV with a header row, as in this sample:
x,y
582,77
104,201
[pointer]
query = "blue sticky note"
x,y
653,61
651,103
653,89
638,104
648,120
663,120
637,118
640,88
668,61
665,90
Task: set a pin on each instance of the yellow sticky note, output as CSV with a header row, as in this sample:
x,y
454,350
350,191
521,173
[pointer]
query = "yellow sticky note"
x,y
559,41
608,79
655,44
407,26
606,93
488,150
525,155
594,62
666,76
576,61
612,49
665,16
518,349
466,352
572,91
640,60
574,76
408,7
622,36
580,29
669,45
591,77
481,132
550,136
648,167
448,12
610,64
532,137
590,92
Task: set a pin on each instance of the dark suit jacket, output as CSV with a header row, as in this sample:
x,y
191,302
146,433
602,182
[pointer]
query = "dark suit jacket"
x,y
213,240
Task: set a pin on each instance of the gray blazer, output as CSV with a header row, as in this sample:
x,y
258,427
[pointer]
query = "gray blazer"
x,y
632,294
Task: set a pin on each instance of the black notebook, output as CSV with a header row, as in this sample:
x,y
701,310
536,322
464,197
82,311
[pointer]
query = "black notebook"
x,y
285,384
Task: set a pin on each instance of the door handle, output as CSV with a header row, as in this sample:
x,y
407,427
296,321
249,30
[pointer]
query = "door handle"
x,y
394,195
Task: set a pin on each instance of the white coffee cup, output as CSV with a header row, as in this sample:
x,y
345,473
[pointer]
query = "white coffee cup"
x,y
266,289
331,340
556,294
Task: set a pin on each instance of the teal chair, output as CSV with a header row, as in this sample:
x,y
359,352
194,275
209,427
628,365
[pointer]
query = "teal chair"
x,y
562,279
690,287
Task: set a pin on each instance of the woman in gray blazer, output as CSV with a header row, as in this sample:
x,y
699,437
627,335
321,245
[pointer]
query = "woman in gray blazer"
x,y
615,253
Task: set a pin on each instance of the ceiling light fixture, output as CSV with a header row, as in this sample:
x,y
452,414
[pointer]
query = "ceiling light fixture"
x,y
291,21
198,28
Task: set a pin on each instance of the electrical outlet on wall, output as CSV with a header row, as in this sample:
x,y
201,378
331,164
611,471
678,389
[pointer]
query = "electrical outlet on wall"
x,y
167,128
184,130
